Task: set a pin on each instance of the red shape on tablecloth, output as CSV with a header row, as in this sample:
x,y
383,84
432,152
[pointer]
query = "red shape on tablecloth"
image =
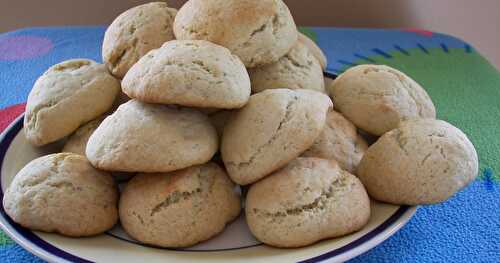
x,y
9,114
421,32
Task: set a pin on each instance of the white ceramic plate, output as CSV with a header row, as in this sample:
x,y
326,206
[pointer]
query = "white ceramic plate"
x,y
235,244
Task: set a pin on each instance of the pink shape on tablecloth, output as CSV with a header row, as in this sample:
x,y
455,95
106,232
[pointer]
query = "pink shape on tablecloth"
x,y
9,114
24,47
421,32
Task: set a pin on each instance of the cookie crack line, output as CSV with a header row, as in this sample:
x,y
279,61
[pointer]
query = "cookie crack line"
x,y
409,88
319,203
33,117
295,62
286,118
117,60
174,198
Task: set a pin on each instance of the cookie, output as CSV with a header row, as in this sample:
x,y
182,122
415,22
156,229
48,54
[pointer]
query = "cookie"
x,y
276,126
258,32
181,208
339,141
423,161
140,137
376,98
193,73
134,33
308,200
77,142
314,49
66,96
63,193
298,69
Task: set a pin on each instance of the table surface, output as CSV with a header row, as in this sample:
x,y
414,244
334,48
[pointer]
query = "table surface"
x,y
463,85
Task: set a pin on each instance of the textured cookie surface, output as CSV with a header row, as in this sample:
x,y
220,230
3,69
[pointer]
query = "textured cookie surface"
x,y
423,161
275,126
181,208
77,142
339,141
376,98
191,73
141,137
315,50
298,69
135,32
63,193
258,32
308,200
66,96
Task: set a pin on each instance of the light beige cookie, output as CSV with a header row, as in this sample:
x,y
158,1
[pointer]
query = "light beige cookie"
x,y
423,161
276,126
191,73
181,208
66,96
298,69
308,200
219,120
140,137
339,141
77,142
315,50
376,98
135,32
259,32
63,193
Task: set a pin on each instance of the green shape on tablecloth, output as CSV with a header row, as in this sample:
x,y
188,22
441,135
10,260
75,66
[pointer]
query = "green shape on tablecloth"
x,y
308,32
4,239
465,89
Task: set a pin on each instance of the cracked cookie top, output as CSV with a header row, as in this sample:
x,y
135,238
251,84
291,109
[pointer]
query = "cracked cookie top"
x,y
339,141
134,33
298,69
308,200
66,96
180,208
422,161
377,97
259,32
140,137
314,49
63,193
193,73
275,126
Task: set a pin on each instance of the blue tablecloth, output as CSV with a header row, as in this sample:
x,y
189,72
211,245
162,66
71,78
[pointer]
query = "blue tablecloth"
x,y
464,86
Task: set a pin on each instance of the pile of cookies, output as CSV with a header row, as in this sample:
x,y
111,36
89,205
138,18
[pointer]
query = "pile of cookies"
x,y
235,77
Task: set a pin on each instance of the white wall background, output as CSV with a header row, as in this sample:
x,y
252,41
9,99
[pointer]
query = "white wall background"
x,y
477,22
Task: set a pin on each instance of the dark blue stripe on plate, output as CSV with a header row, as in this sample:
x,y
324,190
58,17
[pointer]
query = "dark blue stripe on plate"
x,y
326,74
381,228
